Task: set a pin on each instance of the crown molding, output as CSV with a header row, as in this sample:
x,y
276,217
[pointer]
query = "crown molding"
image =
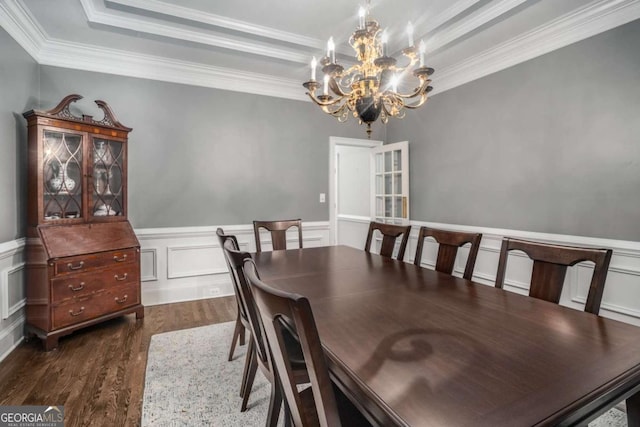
x,y
220,21
96,16
594,18
112,61
22,27
470,23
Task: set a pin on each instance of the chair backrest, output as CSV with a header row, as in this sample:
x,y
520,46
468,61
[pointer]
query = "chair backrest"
x,y
550,264
278,230
281,312
448,244
233,243
235,260
389,233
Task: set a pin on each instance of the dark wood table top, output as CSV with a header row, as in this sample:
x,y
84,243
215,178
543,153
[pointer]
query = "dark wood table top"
x,y
421,348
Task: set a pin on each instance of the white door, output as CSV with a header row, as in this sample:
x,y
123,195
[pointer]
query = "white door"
x,y
390,183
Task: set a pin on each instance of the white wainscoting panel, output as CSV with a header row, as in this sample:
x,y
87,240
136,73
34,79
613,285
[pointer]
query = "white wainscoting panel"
x,y
187,263
352,230
621,300
12,295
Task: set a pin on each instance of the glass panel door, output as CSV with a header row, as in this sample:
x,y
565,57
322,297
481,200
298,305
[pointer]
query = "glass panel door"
x,y
391,183
107,195
62,175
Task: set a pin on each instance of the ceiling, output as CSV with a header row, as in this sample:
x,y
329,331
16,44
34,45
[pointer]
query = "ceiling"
x,y
265,47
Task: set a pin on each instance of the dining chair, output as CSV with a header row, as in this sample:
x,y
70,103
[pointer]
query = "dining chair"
x,y
448,244
321,404
278,230
550,264
258,352
390,233
242,322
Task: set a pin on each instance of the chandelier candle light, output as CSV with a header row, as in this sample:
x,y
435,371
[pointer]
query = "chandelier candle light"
x,y
369,89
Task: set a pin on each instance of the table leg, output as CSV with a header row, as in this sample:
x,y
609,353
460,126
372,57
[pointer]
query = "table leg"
x,y
633,410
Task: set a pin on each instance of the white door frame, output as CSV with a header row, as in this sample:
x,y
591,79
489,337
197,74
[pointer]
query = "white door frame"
x,y
333,182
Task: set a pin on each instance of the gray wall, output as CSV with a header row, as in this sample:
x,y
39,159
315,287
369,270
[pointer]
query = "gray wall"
x,y
551,145
201,156
18,93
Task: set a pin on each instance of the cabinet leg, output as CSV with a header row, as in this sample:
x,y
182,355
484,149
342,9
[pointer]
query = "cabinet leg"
x,y
50,342
140,313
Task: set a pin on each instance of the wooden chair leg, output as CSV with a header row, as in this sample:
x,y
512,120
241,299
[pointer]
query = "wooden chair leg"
x,y
247,361
251,376
242,335
236,333
274,404
633,410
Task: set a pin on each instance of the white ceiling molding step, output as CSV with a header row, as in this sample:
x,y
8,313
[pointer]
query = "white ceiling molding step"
x,y
20,25
219,21
171,31
119,62
596,17
472,22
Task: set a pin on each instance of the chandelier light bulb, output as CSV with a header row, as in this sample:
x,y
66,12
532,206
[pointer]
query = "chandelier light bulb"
x,y
331,50
325,88
410,33
314,63
394,82
385,40
361,14
422,48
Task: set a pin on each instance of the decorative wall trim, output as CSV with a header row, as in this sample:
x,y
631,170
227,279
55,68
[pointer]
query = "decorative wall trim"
x,y
14,329
154,264
472,22
596,17
354,218
625,267
217,21
12,317
6,309
180,33
190,262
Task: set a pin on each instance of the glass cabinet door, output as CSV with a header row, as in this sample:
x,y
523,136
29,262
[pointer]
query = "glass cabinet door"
x,y
62,173
107,195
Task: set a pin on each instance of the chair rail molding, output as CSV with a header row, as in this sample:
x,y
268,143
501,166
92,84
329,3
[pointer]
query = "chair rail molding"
x,y
187,263
621,299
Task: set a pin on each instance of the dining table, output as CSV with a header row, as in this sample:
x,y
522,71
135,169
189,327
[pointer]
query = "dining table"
x,y
410,346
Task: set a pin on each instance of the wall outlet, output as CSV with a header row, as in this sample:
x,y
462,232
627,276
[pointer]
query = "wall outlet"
x,y
322,198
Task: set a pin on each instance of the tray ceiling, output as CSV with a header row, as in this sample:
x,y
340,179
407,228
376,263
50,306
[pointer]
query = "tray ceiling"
x,y
265,47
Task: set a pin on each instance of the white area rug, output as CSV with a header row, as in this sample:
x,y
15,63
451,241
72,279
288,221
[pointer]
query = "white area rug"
x,y
190,383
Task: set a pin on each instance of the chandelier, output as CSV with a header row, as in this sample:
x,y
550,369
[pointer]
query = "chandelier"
x,y
369,89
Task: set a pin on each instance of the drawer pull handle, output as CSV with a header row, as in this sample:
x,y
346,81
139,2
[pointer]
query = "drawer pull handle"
x,y
78,313
120,279
116,259
79,288
121,301
75,267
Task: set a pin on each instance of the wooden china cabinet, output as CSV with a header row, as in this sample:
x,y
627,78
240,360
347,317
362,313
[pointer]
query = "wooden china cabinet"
x,y
83,258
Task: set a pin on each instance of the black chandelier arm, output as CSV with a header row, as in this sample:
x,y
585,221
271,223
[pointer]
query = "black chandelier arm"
x,y
335,87
421,101
328,103
418,91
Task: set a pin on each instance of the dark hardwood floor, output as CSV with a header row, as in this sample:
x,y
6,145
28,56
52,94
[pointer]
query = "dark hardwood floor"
x,y
98,373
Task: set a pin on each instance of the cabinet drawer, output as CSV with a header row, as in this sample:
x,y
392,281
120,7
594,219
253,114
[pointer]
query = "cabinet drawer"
x,y
85,262
109,301
73,286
